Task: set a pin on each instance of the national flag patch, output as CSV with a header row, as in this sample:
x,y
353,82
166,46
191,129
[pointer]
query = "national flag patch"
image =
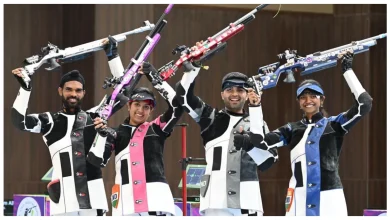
x,y
115,196
289,199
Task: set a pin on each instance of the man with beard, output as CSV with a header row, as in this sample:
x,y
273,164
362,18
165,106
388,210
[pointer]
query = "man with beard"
x,y
77,186
230,185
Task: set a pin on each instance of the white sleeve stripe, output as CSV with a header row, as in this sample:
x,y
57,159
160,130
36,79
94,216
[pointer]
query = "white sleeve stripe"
x,y
352,119
185,82
256,120
354,83
279,144
36,128
188,78
169,121
21,101
50,122
98,146
259,156
116,67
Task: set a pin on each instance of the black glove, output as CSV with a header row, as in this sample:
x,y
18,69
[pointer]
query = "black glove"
x,y
111,48
242,141
148,68
257,139
188,66
346,61
104,132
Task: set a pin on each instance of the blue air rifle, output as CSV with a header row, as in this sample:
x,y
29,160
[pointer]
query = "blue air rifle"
x,y
268,76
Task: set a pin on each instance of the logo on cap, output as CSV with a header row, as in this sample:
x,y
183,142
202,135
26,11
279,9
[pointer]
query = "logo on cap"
x,y
137,96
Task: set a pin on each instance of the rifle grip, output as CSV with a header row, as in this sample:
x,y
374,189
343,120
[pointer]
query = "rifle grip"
x,y
102,131
290,77
188,66
53,65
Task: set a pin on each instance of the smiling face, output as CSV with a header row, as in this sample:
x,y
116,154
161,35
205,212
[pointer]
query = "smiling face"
x,y
139,112
234,98
310,102
72,94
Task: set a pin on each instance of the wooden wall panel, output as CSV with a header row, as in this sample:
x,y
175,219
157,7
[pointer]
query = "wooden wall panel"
x,y
74,35
27,29
363,154
355,147
377,163
25,32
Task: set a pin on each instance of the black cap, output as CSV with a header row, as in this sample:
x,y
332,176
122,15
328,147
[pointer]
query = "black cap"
x,y
73,75
235,79
141,94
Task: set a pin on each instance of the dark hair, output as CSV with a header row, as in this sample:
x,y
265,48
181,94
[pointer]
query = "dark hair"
x,y
312,81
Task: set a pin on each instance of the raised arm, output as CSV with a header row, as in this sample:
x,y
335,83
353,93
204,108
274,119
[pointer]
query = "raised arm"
x,y
171,116
362,100
201,112
36,123
103,145
114,60
116,69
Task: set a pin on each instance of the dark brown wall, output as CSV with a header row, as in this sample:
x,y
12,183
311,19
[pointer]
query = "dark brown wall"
x,y
27,28
362,161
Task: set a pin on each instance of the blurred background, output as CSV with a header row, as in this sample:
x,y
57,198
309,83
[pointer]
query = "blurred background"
x,y
306,28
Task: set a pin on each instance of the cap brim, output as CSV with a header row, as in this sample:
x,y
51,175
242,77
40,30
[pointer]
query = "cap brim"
x,y
314,88
142,97
234,82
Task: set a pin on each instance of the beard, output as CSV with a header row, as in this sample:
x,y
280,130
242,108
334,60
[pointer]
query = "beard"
x,y
69,106
234,107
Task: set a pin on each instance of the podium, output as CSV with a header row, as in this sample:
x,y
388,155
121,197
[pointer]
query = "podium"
x,y
374,212
194,175
192,208
31,205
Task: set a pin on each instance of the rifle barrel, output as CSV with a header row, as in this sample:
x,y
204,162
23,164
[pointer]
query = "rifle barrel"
x,y
258,8
360,42
139,30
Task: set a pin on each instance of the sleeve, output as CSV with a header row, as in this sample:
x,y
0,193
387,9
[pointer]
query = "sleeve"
x,y
101,149
116,67
117,70
201,112
171,116
36,123
363,103
265,152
